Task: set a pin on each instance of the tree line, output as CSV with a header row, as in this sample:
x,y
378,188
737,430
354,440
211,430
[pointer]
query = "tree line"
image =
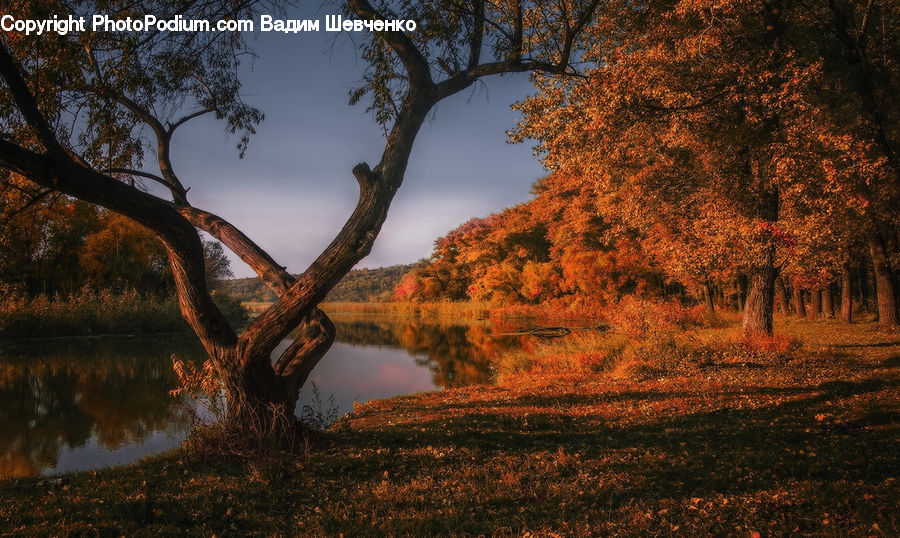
x,y
56,246
358,286
739,148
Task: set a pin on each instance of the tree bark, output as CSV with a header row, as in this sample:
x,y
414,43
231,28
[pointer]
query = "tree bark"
x,y
760,303
862,286
708,295
846,295
815,304
781,295
799,306
827,302
886,297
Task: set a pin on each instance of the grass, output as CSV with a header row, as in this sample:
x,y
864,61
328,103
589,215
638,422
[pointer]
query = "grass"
x,y
443,311
437,311
797,436
103,312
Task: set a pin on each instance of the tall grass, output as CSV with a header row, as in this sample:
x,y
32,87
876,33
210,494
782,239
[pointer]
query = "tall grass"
x,y
88,312
467,310
647,339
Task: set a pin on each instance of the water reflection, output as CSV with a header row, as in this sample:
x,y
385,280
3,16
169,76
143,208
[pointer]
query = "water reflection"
x,y
85,403
457,355
59,396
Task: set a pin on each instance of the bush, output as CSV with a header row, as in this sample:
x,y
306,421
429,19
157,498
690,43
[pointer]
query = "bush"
x,y
638,317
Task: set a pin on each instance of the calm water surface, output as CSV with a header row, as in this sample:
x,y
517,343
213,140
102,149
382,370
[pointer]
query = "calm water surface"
x,y
76,404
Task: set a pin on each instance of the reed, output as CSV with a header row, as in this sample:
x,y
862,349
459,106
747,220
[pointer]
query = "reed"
x,y
89,312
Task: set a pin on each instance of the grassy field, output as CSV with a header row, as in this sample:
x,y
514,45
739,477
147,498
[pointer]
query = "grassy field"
x,y
794,435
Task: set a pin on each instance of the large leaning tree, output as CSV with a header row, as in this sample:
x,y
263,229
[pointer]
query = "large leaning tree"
x,y
94,116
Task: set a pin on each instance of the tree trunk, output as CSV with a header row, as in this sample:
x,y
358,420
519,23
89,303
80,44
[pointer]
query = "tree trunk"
x,y
781,295
708,292
742,293
886,297
262,398
846,297
827,302
815,303
799,307
761,298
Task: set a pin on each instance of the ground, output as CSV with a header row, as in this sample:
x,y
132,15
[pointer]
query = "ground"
x,y
749,443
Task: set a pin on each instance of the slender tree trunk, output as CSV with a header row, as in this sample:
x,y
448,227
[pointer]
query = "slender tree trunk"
x,y
799,306
760,303
708,292
846,297
886,297
742,293
815,303
827,302
781,295
862,285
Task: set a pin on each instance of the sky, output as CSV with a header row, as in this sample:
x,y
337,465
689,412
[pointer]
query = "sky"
x,y
294,189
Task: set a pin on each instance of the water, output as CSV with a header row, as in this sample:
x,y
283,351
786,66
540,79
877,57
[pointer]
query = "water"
x,y
72,404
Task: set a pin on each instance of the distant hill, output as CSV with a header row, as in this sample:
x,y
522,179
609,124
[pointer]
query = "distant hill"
x,y
359,286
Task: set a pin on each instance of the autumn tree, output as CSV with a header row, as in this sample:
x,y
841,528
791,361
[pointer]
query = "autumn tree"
x,y
42,234
121,86
554,250
861,52
714,124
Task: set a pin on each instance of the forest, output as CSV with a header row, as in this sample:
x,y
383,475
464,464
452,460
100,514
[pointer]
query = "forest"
x,y
746,164
690,326
358,286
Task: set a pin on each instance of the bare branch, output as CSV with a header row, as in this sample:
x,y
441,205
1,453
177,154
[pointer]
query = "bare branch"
x,y
477,36
139,173
466,78
188,118
517,31
36,198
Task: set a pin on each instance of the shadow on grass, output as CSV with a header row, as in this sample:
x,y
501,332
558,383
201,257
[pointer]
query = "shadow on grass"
x,y
824,462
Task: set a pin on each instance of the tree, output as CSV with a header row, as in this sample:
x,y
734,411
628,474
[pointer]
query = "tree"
x,y
732,114
121,253
42,235
553,250
864,54
123,83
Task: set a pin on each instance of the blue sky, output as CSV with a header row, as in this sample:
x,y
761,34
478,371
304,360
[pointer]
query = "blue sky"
x,y
294,189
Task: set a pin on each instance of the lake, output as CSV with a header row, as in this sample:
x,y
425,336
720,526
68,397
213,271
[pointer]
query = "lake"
x,y
83,403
